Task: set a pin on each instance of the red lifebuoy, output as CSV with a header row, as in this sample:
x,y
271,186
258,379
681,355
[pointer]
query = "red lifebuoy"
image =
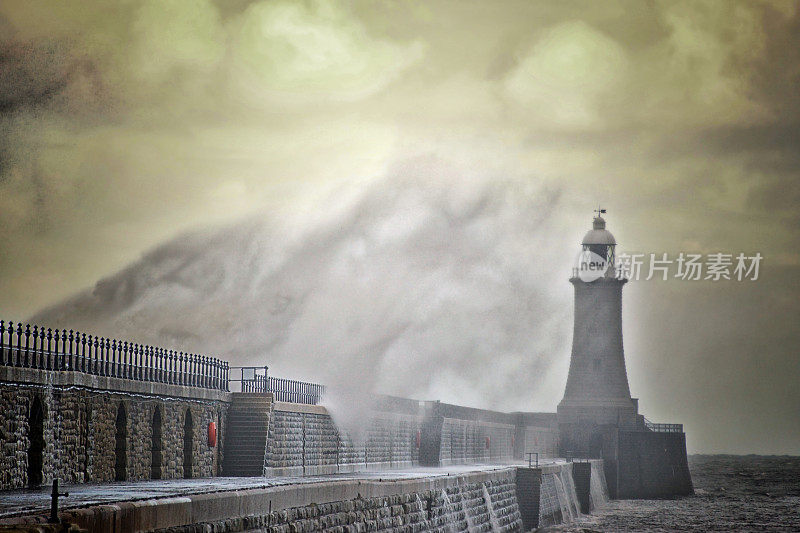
x,y
212,434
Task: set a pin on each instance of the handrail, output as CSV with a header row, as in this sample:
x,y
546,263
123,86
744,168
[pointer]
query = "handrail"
x,y
289,390
663,428
61,350
253,379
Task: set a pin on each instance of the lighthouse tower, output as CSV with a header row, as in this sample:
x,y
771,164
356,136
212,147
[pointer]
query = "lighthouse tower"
x,y
597,396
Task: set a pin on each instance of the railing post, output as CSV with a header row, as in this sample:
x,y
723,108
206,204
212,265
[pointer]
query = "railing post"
x,y
72,359
83,351
93,348
141,371
203,372
64,350
192,370
126,359
41,352
19,344
49,348
33,363
149,364
167,365
27,342
5,355
151,355
116,359
133,369
56,354
90,359
122,347
98,356
103,357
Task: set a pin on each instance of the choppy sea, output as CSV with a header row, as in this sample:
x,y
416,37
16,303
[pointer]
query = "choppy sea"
x,y
732,493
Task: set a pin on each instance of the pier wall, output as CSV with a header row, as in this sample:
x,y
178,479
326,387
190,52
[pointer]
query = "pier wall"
x,y
80,428
476,501
304,440
652,465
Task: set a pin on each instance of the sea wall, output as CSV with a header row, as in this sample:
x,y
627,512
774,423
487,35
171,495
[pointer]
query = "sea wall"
x,y
475,502
303,440
80,428
652,464
499,500
536,433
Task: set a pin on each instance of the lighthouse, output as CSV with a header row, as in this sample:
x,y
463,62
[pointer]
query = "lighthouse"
x,y
597,396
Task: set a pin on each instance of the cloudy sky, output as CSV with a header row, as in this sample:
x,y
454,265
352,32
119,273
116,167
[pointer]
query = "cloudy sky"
x,y
463,143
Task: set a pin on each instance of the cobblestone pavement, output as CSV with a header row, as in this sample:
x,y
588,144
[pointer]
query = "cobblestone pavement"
x,y
17,502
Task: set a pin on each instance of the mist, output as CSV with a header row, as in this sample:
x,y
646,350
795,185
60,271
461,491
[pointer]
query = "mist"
x,y
429,283
393,193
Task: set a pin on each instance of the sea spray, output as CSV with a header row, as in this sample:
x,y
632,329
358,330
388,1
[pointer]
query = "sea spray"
x,y
353,414
571,493
449,515
465,507
567,514
489,507
598,491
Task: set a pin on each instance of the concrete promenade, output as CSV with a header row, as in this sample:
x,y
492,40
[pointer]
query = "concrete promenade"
x,y
15,503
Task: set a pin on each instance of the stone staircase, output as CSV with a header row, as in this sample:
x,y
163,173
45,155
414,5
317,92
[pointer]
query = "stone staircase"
x,y
246,438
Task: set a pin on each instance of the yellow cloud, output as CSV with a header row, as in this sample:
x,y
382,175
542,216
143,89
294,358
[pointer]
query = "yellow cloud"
x,y
297,52
569,76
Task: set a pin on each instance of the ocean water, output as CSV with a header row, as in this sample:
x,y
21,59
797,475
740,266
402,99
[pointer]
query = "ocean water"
x,y
733,493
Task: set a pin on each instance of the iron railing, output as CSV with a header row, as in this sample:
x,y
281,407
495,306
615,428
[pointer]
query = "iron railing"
x,y
251,379
663,428
67,350
289,390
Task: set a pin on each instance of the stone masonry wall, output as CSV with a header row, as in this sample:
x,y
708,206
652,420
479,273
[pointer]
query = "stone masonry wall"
x,y
79,433
473,507
470,441
305,440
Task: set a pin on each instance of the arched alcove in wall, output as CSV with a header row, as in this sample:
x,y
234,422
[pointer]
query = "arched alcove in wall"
x,y
121,447
188,448
155,447
36,442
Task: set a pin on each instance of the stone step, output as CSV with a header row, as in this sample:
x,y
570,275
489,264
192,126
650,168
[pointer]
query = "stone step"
x,y
248,415
247,430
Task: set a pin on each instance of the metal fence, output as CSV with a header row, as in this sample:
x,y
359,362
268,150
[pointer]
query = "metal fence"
x,y
289,390
249,379
48,349
663,428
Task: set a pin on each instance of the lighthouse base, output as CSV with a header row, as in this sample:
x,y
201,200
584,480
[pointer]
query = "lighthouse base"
x,y
638,462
